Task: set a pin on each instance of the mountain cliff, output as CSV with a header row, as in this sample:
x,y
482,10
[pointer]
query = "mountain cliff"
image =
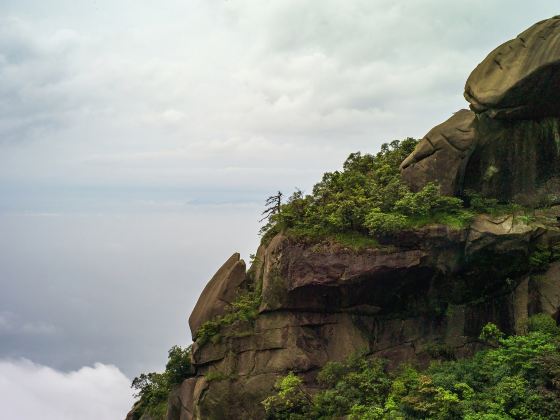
x,y
404,256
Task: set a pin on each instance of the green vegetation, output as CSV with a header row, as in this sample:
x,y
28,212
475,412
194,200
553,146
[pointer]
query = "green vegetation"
x,y
218,376
353,240
152,389
366,198
244,308
541,258
291,401
516,377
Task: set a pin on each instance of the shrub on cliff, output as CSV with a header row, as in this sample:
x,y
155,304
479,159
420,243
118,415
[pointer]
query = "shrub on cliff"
x,y
291,402
366,197
152,389
384,223
244,308
517,378
342,199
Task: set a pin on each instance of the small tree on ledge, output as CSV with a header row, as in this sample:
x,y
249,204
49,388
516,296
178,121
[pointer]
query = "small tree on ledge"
x,y
272,206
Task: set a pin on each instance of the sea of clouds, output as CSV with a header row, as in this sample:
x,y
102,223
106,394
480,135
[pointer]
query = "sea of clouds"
x,y
32,391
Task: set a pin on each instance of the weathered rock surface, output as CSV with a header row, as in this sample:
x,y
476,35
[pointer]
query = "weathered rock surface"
x,y
521,78
502,233
547,289
516,160
181,402
508,160
218,294
442,155
508,148
314,277
323,302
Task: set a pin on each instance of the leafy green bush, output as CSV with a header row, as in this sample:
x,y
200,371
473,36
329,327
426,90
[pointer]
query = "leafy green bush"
x,y
427,202
290,403
244,308
542,323
481,204
178,365
542,257
356,382
368,198
341,201
517,378
491,334
385,223
152,389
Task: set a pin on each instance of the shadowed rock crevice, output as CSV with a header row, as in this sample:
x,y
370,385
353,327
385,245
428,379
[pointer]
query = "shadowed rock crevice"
x,y
515,160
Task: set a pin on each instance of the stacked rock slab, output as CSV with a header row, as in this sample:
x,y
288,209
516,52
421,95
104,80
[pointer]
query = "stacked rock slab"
x,y
509,145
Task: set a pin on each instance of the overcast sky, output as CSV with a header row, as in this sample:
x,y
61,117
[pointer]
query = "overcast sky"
x,y
139,139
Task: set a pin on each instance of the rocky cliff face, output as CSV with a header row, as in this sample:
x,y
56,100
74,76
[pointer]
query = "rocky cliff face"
x,y
423,291
323,302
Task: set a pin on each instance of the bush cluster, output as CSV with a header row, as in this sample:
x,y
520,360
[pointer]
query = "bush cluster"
x,y
517,377
367,197
152,389
244,308
541,258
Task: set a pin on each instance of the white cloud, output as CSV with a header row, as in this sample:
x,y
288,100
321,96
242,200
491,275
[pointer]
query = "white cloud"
x,y
166,92
30,391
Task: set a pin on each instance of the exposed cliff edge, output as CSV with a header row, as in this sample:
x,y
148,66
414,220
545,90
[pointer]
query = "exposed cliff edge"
x,y
323,302
305,302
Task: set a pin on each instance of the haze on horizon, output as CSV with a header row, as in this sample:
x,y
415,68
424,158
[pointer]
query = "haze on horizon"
x,y
139,141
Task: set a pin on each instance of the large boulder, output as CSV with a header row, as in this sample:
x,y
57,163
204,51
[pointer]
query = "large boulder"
x,y
219,293
521,78
442,155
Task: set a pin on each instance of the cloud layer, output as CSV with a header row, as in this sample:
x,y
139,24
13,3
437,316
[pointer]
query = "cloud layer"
x,y
185,94
31,391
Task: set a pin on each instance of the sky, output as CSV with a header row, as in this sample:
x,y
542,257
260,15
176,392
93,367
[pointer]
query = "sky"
x,y
139,140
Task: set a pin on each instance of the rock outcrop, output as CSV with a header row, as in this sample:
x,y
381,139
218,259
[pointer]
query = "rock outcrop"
x,y
508,147
218,294
521,78
321,302
447,146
